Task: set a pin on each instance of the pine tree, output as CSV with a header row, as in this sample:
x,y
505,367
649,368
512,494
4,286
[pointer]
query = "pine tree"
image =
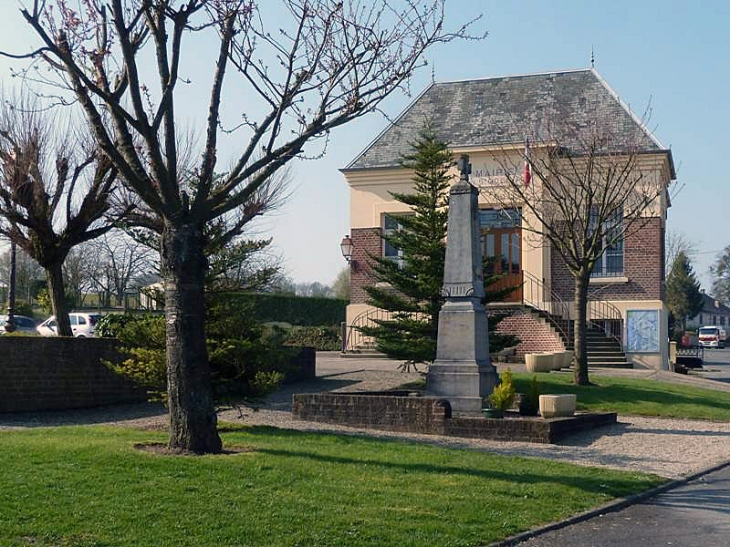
x,y
684,297
410,287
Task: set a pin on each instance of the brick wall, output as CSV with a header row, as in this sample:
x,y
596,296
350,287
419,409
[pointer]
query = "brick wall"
x,y
431,416
366,242
535,334
60,373
414,414
643,266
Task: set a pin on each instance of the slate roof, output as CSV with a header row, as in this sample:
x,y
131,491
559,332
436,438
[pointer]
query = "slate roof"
x,y
506,110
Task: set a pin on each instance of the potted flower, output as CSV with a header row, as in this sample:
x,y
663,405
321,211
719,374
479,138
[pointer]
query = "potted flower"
x,y
502,398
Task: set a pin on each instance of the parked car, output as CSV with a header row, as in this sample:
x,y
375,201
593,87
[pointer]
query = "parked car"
x,y
83,324
22,324
712,337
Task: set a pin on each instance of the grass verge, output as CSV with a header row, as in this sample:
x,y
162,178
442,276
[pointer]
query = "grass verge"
x,y
88,486
637,397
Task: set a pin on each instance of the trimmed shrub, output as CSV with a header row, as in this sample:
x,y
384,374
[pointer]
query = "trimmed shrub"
x,y
319,338
284,308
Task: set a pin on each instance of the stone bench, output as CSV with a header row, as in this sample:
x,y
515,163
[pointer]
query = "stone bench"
x,y
557,406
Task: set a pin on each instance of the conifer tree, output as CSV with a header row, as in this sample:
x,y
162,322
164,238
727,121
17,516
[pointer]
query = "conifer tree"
x,y
684,297
409,287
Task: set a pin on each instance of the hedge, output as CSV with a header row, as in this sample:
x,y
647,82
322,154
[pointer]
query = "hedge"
x,y
296,310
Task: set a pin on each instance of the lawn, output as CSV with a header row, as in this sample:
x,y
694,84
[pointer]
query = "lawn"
x,y
89,486
637,397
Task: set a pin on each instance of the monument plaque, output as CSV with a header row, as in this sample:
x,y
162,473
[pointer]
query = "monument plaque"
x,y
462,372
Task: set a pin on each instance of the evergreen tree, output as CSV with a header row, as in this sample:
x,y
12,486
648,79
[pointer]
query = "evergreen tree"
x,y
410,287
684,297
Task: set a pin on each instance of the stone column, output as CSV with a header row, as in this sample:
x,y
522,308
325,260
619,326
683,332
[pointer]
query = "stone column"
x,y
462,373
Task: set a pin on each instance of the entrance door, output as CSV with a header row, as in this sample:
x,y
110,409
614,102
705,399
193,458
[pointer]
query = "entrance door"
x,y
503,246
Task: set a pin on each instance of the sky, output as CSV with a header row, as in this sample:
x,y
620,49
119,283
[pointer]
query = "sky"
x,y
670,56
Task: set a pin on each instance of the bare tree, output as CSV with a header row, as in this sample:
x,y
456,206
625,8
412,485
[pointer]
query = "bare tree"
x,y
586,190
677,242
53,192
321,65
116,262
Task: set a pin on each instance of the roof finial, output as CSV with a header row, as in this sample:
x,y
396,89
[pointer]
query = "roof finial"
x,y
433,72
593,57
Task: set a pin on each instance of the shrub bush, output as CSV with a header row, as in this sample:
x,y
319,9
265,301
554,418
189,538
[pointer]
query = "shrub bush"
x,y
319,338
296,310
504,394
530,403
247,359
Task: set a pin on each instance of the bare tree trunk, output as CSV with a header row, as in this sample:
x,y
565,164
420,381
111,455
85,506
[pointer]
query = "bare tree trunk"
x,y
190,398
59,306
580,372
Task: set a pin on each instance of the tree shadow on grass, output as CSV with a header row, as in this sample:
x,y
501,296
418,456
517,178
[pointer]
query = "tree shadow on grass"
x,y
84,416
588,482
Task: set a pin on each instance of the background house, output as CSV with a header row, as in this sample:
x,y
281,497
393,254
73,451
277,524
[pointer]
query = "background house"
x,y
489,119
713,312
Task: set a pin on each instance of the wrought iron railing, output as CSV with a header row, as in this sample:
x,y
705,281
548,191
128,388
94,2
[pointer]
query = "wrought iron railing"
x,y
606,317
353,338
536,295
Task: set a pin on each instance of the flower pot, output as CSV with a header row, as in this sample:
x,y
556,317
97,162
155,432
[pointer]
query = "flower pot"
x,y
494,413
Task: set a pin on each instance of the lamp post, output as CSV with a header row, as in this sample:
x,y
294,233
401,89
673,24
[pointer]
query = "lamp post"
x,y
10,323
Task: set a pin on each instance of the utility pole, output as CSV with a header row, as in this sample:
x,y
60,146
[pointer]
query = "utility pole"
x,y
10,323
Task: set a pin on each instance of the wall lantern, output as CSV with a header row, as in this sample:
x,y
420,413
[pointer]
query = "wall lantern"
x,y
346,247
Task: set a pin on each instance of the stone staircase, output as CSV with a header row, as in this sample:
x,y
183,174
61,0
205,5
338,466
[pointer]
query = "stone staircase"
x,y
604,352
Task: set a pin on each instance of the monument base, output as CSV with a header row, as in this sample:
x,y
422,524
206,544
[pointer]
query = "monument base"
x,y
464,384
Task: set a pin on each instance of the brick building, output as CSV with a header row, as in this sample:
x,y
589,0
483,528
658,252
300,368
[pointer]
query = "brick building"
x,y
489,119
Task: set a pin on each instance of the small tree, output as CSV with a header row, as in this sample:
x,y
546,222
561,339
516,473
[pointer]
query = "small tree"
x,y
54,193
410,287
588,192
684,297
341,284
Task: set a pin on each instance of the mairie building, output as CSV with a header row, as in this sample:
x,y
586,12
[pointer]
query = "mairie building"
x,y
489,119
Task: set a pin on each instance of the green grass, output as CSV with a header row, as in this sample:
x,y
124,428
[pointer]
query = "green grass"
x,y
88,486
636,397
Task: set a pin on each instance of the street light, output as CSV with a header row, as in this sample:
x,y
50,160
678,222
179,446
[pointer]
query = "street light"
x,y
346,247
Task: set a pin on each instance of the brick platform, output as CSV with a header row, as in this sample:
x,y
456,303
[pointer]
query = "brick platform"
x,y
427,415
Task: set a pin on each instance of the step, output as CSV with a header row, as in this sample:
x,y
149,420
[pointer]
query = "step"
x,y
611,365
363,354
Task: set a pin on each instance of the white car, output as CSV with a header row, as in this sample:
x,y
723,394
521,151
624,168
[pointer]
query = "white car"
x,y
82,325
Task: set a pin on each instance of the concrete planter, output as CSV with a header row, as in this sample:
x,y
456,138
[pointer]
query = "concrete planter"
x,y
539,362
557,406
567,359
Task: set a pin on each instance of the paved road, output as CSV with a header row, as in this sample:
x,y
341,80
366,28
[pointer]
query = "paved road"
x,y
716,367
693,515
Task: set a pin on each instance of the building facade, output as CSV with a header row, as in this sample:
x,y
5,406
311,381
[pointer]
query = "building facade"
x,y
490,119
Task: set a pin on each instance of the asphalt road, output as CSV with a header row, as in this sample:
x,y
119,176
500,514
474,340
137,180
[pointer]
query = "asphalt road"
x,y
696,514
716,367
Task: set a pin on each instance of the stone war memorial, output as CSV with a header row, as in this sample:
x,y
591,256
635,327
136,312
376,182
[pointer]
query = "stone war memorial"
x,y
462,372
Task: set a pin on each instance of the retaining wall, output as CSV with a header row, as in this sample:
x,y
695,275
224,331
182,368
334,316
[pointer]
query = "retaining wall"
x,y
39,373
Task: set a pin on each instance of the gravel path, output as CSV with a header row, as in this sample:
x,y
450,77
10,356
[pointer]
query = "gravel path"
x,y
669,448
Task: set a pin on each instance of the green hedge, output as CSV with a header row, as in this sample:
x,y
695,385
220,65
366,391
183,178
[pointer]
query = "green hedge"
x,y
296,310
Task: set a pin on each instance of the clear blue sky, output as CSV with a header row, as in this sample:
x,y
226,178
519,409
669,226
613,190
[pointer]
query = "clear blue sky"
x,y
672,54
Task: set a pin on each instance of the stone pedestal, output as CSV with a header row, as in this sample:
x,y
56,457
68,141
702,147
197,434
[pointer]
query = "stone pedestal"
x,y
462,372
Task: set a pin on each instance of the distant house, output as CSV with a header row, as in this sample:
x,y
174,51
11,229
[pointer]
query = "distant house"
x,y
713,312
489,119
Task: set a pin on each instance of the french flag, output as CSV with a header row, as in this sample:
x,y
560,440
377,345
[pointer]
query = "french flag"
x,y
528,168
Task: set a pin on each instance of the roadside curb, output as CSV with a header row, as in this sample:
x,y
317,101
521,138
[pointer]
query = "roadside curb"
x,y
610,507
